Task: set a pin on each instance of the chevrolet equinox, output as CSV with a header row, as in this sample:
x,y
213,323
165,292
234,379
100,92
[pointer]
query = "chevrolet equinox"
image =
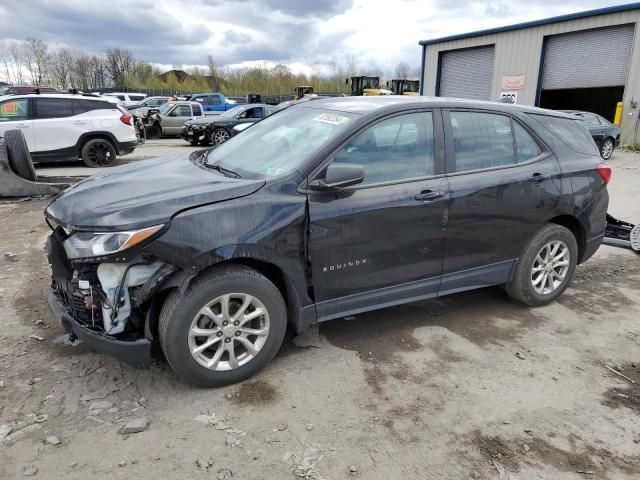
x,y
326,209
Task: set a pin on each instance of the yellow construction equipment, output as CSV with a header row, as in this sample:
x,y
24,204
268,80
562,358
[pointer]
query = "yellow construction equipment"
x,y
363,85
402,86
302,91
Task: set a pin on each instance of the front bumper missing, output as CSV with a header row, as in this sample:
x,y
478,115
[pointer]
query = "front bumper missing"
x,y
136,353
622,234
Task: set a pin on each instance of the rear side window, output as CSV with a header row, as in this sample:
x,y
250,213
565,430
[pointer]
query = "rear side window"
x,y
571,132
52,108
84,106
14,110
197,111
214,100
488,140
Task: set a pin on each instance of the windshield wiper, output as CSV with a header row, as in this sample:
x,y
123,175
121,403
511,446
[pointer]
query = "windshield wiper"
x,y
224,171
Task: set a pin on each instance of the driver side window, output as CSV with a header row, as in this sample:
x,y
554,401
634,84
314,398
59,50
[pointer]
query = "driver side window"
x,y
395,149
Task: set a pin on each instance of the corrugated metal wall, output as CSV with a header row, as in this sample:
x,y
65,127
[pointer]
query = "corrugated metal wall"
x,y
519,52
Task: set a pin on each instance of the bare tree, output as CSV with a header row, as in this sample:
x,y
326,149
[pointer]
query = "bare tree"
x,y
17,61
119,62
351,65
98,69
402,70
80,75
36,58
61,65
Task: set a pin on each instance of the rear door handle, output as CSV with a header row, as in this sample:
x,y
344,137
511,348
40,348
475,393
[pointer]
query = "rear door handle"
x,y
538,177
79,122
23,125
429,195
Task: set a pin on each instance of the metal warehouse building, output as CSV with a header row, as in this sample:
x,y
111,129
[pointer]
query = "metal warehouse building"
x,y
584,61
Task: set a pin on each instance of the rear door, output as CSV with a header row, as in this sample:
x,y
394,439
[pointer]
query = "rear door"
x,y
56,128
381,242
504,183
14,115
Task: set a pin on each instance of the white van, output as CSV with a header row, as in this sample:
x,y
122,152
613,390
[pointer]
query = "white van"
x,y
127,98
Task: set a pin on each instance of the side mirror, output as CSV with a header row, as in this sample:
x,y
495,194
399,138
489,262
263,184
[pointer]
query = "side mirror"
x,y
339,175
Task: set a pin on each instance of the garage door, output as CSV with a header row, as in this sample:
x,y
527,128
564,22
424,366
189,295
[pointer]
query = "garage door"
x,y
467,73
591,58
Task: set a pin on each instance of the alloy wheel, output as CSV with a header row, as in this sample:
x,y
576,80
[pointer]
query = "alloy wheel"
x,y
229,331
220,136
100,154
550,267
607,149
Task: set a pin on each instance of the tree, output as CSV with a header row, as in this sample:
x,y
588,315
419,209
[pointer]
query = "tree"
x,y
36,58
118,63
402,70
61,65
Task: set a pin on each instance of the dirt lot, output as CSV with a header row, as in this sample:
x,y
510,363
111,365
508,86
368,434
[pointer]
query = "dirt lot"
x,y
473,386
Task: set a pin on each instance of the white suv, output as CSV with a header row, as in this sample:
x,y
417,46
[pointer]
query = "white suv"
x,y
126,98
63,127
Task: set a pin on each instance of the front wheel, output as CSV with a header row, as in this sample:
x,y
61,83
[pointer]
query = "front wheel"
x,y
545,267
225,328
220,135
606,149
154,132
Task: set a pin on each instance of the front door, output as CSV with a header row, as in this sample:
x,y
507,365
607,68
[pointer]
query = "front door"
x,y
381,242
504,184
172,123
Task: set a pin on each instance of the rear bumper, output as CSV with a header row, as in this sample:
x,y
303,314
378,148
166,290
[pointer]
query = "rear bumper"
x,y
591,246
136,353
125,148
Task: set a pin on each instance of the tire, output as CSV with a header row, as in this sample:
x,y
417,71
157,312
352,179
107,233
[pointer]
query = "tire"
x,y
606,148
98,153
193,142
154,132
219,136
19,156
181,313
522,288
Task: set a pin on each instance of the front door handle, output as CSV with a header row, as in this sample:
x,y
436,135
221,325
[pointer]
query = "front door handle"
x,y
23,125
538,177
79,122
429,195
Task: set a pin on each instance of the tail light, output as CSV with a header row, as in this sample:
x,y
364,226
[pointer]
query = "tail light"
x,y
126,119
605,172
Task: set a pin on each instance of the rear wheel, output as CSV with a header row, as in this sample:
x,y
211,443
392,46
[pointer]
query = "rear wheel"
x,y
193,142
545,267
98,153
606,149
225,328
220,135
19,156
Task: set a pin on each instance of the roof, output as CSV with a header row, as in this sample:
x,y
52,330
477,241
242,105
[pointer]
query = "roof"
x,y
364,105
53,95
536,23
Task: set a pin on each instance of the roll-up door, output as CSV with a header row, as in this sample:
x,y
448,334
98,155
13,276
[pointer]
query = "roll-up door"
x,y
467,73
588,59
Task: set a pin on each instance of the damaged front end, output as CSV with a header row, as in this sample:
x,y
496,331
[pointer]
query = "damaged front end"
x,y
622,234
103,299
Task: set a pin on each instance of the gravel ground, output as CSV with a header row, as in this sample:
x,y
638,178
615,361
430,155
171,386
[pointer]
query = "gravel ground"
x,y
472,386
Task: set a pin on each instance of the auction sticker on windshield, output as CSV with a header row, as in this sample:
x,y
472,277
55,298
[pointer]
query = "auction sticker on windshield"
x,y
331,118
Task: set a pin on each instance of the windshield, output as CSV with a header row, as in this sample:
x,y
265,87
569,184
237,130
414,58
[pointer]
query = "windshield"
x,y
164,109
281,143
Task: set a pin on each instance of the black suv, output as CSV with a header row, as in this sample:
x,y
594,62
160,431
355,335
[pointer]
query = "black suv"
x,y
330,208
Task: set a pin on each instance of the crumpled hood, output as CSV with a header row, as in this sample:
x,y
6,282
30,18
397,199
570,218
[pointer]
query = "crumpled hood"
x,y
144,193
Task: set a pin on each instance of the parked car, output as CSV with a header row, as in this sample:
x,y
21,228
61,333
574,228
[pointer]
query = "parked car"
x,y
171,117
65,127
605,133
213,103
25,89
328,208
141,109
127,98
219,129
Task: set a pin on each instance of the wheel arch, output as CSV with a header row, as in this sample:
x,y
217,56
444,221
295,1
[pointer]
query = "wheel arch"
x,y
296,318
574,226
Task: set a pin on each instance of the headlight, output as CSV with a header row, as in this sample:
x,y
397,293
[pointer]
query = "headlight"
x,y
89,244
